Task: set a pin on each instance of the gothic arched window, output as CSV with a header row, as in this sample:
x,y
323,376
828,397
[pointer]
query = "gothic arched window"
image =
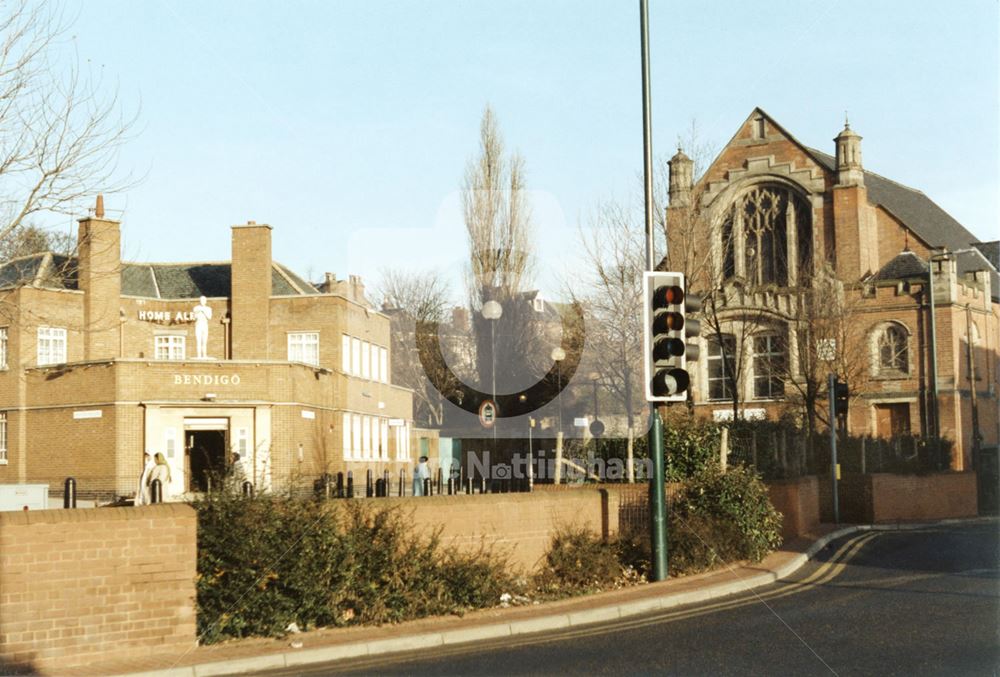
x,y
767,237
893,351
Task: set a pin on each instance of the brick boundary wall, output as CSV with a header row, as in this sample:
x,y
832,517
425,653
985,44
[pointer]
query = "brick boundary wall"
x,y
88,585
798,502
885,497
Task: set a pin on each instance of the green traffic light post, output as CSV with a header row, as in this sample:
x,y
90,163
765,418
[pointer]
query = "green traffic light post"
x,y
657,485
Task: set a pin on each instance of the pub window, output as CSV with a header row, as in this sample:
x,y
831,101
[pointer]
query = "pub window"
x,y
383,361
356,359
346,422
345,353
51,345
303,347
169,347
769,365
720,385
366,362
3,347
3,438
356,440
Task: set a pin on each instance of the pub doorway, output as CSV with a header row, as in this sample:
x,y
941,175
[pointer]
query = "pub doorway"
x,y
206,457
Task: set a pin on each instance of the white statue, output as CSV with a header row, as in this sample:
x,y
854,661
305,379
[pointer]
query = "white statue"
x,y
202,314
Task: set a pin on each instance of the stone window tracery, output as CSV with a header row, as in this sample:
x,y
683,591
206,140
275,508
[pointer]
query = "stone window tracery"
x,y
767,237
892,349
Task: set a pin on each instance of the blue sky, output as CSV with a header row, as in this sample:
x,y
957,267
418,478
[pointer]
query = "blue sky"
x,y
347,125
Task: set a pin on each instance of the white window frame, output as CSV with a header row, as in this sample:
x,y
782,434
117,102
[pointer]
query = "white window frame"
x,y
366,437
384,437
303,346
356,356
170,442
356,435
3,438
366,361
383,360
51,345
172,346
3,347
345,353
346,419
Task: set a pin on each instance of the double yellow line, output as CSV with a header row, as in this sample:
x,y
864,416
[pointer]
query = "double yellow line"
x,y
824,574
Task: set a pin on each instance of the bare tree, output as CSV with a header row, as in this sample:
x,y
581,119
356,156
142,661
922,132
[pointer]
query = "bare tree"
x,y
59,133
498,224
27,240
417,304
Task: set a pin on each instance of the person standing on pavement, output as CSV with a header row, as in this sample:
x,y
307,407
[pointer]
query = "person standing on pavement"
x,y
161,472
142,492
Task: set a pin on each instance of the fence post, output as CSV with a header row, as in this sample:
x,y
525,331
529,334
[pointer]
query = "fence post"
x,y
402,482
724,448
69,493
350,484
753,448
864,453
369,484
340,484
155,492
386,483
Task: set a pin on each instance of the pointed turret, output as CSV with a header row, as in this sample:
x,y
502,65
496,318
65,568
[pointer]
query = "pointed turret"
x,y
681,179
849,169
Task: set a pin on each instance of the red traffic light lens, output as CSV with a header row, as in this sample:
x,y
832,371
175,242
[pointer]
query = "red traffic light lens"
x,y
667,295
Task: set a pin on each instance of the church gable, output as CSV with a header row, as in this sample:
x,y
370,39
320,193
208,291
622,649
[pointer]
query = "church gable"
x,y
760,147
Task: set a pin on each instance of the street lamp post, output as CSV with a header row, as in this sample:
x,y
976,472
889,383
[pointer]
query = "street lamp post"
x,y
558,355
492,311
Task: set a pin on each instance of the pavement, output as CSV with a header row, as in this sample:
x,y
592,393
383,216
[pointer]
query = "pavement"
x,y
330,644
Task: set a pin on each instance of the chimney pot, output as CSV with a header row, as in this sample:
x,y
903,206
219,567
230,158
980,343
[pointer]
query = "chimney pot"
x,y
99,208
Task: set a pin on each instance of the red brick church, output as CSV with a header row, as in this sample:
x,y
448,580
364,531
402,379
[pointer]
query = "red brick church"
x,y
781,217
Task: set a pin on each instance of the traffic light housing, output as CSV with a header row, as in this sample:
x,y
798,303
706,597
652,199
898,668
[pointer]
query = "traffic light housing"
x,y
666,330
841,396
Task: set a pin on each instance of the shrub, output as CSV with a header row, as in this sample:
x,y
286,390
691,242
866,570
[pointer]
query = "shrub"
x,y
749,526
266,562
578,562
691,447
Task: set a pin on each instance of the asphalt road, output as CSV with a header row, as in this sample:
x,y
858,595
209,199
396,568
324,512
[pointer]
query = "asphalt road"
x,y
924,602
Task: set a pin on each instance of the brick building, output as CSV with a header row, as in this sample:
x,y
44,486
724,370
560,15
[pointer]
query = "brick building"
x,y
100,360
780,217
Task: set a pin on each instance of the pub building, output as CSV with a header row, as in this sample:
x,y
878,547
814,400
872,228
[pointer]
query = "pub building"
x,y
102,359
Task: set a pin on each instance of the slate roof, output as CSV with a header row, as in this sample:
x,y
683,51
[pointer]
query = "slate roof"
x,y
991,250
148,280
925,218
903,266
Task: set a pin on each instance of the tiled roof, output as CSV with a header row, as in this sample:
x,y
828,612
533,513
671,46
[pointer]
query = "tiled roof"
x,y
920,214
150,280
904,265
991,250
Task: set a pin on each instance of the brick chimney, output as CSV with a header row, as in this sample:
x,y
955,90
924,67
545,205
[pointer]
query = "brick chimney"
x,y
250,297
99,251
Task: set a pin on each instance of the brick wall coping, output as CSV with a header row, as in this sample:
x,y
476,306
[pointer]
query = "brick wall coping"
x,y
160,511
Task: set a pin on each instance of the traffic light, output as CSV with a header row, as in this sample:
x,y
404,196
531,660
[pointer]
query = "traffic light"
x,y
841,395
666,329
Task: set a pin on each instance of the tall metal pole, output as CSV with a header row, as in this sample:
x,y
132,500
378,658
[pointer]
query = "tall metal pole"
x,y
831,382
971,365
657,488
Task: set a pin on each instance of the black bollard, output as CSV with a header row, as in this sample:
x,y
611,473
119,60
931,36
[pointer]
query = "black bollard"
x,y
440,480
350,484
369,484
69,493
468,485
451,486
386,483
340,484
482,484
155,492
248,489
379,488
402,483
327,485
427,487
